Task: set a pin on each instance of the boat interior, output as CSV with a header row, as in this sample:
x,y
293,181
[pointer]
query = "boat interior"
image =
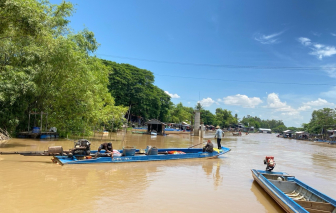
x,y
305,198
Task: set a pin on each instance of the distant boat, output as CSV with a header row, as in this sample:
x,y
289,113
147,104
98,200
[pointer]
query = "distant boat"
x,y
153,133
293,195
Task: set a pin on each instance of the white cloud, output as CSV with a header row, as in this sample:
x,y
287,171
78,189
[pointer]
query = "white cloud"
x,y
330,69
274,102
319,103
304,108
333,34
268,39
318,46
319,50
331,93
206,102
304,41
316,33
242,100
323,51
172,95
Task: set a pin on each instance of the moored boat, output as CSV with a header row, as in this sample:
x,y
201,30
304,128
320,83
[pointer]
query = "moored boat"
x,y
292,194
162,154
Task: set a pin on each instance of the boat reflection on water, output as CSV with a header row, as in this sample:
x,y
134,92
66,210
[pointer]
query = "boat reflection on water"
x,y
264,199
218,178
208,167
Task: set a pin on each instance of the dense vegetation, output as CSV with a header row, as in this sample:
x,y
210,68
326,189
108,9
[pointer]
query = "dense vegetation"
x,y
45,67
275,125
133,87
321,120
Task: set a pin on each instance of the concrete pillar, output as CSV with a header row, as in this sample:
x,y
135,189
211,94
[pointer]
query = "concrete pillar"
x,y
197,121
202,131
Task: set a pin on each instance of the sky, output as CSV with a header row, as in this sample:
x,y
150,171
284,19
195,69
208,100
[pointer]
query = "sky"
x,y
271,59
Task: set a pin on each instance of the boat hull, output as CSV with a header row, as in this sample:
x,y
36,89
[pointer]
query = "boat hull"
x,y
288,201
192,153
281,202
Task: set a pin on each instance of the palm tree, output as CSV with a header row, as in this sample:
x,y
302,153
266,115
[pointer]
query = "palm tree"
x,y
199,106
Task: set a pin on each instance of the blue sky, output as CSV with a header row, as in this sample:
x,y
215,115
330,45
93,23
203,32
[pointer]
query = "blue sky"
x,y
272,59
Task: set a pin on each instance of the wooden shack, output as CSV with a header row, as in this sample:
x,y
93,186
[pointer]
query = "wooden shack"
x,y
156,125
301,135
287,133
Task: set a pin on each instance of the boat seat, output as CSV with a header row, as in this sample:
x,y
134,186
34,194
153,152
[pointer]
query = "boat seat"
x,y
317,207
286,187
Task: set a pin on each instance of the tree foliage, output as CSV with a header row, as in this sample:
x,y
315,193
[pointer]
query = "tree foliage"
x,y
275,125
134,87
225,118
208,118
321,120
44,67
180,113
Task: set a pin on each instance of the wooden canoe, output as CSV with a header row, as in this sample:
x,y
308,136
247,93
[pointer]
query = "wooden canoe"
x,y
293,195
140,157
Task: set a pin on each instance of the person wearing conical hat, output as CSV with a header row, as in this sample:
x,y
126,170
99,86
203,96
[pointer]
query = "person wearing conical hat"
x,y
218,135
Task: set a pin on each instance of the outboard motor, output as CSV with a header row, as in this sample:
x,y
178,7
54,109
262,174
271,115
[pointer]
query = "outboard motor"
x,y
270,163
81,147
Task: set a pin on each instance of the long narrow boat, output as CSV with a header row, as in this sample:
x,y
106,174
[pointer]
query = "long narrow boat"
x,y
163,154
293,195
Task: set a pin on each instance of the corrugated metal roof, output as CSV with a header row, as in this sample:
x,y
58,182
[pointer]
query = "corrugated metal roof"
x,y
262,129
154,121
301,132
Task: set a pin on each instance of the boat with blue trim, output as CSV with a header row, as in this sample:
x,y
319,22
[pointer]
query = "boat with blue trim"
x,y
138,156
292,194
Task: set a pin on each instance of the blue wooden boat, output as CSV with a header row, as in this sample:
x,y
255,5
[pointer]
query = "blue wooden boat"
x,y
293,195
141,157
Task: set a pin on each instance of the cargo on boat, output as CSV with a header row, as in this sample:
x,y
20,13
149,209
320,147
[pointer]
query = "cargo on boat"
x,y
159,155
293,195
82,154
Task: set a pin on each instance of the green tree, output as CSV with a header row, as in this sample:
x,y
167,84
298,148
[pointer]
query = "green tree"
x,y
134,87
322,119
250,121
279,128
44,67
208,118
225,118
180,113
199,106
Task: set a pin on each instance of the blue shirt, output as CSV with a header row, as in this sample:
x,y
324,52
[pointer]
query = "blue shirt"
x,y
219,133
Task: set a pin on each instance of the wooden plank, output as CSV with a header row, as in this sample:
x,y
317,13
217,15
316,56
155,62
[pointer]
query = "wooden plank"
x,y
279,175
316,205
316,211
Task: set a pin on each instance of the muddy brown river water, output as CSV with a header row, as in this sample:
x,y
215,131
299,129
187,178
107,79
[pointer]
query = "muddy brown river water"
x,y
34,184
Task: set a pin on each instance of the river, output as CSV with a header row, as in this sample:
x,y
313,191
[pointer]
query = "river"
x,y
34,184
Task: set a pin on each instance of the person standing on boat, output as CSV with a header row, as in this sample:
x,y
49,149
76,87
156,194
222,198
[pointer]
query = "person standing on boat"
x,y
208,147
219,134
107,147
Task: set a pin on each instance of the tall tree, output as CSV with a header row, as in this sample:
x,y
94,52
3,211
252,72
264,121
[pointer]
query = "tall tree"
x,y
208,118
224,117
132,86
321,120
44,67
